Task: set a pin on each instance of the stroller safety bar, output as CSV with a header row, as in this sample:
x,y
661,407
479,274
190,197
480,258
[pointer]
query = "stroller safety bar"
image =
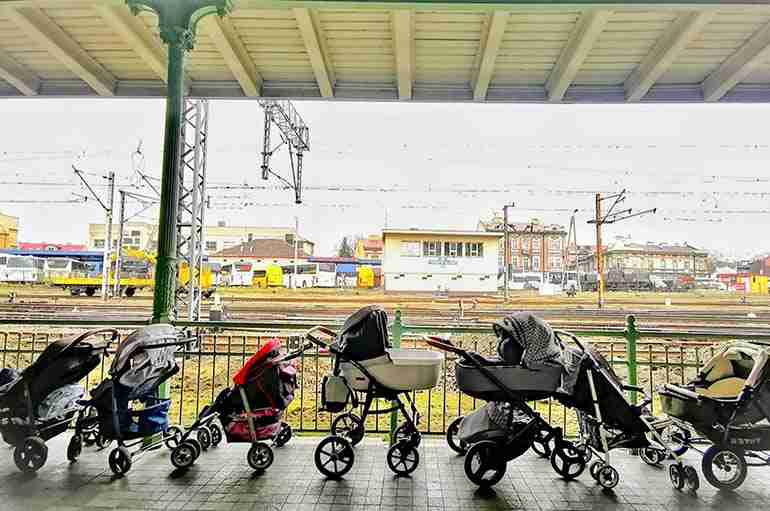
x,y
445,345
309,335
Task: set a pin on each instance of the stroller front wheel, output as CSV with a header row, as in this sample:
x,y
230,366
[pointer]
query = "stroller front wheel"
x,y
403,458
350,426
544,442
483,464
283,436
204,437
120,461
334,457
216,434
724,468
260,456
173,437
454,442
31,454
74,448
607,477
567,460
652,456
183,455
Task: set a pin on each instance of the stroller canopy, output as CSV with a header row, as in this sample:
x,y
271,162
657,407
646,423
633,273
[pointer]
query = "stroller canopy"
x,y
528,340
268,351
137,361
737,365
365,334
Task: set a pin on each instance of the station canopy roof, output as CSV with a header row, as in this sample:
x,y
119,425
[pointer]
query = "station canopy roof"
x,y
513,51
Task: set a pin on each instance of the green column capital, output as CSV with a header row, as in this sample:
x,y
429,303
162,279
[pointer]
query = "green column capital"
x,y
178,19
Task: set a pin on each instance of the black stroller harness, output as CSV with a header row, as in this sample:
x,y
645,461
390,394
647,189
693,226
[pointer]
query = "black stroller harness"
x,y
40,402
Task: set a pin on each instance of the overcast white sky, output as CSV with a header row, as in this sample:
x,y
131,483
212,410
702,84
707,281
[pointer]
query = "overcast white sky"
x,y
708,158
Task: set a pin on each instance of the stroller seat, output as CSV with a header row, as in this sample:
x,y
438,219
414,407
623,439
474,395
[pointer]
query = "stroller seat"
x,y
397,369
726,388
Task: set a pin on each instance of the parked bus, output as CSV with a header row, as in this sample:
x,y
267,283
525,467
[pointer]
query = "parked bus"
x,y
63,267
237,274
21,269
365,277
272,276
310,275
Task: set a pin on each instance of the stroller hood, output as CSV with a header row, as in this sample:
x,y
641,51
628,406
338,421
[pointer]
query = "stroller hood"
x,y
364,335
138,363
535,338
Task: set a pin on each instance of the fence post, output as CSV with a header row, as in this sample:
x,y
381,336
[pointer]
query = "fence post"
x,y
631,334
396,330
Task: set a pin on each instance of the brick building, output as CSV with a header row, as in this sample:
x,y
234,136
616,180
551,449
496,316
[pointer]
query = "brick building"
x,y
664,260
534,246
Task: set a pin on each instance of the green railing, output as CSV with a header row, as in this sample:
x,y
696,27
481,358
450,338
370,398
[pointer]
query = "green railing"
x,y
644,357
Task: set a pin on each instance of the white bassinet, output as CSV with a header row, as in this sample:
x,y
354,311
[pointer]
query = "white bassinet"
x,y
397,369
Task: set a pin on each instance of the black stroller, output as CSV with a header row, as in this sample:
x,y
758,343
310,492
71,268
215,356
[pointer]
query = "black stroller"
x,y
727,405
250,411
41,402
366,368
127,403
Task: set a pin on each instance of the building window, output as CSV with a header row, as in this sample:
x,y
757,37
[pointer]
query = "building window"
x,y
514,243
554,263
535,244
98,243
536,263
431,248
525,263
516,262
474,250
453,249
410,249
554,245
211,245
136,233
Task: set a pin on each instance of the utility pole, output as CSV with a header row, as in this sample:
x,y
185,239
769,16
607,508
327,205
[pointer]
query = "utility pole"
x,y
506,251
296,251
116,292
609,218
571,253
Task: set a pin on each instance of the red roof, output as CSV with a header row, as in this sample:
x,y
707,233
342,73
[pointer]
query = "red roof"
x,y
63,247
373,245
262,248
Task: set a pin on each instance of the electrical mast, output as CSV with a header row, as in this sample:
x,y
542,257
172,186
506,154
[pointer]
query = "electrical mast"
x,y
294,134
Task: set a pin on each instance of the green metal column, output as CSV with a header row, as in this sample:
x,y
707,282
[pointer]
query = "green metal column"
x,y
396,331
631,334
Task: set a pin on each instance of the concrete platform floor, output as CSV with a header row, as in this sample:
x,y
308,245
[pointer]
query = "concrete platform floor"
x,y
221,480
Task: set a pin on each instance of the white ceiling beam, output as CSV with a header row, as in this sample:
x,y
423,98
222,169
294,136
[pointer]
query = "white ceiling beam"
x,y
669,47
48,35
490,46
13,73
738,66
229,44
315,44
403,46
132,31
588,29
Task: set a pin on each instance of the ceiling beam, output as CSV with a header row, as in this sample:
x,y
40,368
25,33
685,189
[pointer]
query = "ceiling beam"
x,y
49,36
738,66
229,44
132,31
490,46
315,44
13,73
586,32
403,47
669,47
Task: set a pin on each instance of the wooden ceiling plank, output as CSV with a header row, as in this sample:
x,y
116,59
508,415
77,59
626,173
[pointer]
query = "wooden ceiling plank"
x,y
403,44
738,66
315,46
15,74
490,46
234,52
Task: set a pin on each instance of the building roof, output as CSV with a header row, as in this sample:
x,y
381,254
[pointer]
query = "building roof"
x,y
345,260
262,247
442,232
662,248
64,247
533,226
459,51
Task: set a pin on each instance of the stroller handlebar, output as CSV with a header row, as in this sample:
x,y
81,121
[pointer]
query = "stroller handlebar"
x,y
573,337
444,345
316,340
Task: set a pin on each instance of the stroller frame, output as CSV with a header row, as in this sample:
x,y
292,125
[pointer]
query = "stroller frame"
x,y
601,470
348,429
31,454
260,455
485,456
121,457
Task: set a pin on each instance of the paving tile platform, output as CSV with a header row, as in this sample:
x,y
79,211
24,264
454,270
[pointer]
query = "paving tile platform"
x,y
221,480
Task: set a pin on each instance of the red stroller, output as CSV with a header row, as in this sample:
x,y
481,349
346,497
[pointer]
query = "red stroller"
x,y
252,410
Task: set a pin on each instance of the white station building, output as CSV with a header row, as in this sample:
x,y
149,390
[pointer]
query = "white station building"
x,y
437,260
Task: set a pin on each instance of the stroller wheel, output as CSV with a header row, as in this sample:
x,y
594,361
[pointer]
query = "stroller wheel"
x,y
405,432
403,458
334,457
652,456
676,475
183,455
74,448
120,461
691,478
260,456
216,434
455,443
594,469
196,445
102,441
31,454
204,437
350,426
90,436
483,465
544,443
724,468
567,460
173,437
283,436
607,477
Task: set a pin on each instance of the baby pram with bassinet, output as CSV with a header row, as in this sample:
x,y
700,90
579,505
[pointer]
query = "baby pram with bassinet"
x,y
727,405
535,363
128,405
365,368
40,402
250,411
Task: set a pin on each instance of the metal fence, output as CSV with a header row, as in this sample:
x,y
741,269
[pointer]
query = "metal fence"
x,y
648,359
